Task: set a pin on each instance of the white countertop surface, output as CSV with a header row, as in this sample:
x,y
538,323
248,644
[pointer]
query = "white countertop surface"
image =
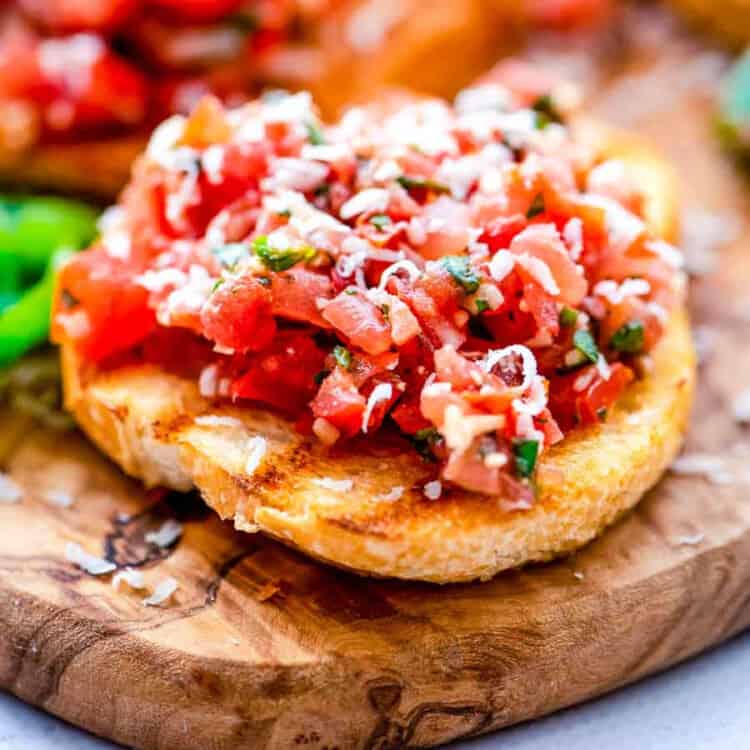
x,y
700,705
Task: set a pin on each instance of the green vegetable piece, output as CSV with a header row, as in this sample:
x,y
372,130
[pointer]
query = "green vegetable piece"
x,y
26,324
568,317
526,453
537,206
32,229
481,305
319,377
8,299
381,221
416,183
315,134
230,255
463,274
546,111
628,338
733,117
584,342
424,440
343,357
281,259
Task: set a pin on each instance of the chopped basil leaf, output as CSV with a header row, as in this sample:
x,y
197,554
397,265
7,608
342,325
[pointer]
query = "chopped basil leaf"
x,y
481,305
264,281
244,21
381,221
343,357
216,285
537,206
412,183
315,134
628,338
568,317
546,111
285,214
319,377
385,311
322,190
526,453
584,342
281,259
458,267
601,414
424,440
230,255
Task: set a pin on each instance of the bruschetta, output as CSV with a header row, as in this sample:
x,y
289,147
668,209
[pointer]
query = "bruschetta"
x,y
429,341
82,84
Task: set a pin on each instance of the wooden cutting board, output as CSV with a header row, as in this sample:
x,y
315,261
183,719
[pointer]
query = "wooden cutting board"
x,y
262,648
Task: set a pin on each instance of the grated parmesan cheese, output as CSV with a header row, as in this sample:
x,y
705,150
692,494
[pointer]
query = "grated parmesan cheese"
x,y
336,485
95,566
162,593
365,201
433,490
133,578
381,392
10,490
257,447
168,533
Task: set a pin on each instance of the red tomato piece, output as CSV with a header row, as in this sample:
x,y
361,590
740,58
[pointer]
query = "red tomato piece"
x,y
115,316
339,402
238,315
296,294
282,376
360,321
64,16
195,11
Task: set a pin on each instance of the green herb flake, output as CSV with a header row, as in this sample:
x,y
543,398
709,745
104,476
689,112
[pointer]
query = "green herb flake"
x,y
546,111
315,134
381,221
628,338
245,22
424,440
526,453
230,255
322,190
216,285
481,305
416,183
264,281
319,377
285,214
584,342
537,206
601,414
281,259
343,357
568,317
458,267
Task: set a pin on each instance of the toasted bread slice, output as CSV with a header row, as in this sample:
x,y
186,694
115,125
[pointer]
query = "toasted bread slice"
x,y
728,20
347,56
368,512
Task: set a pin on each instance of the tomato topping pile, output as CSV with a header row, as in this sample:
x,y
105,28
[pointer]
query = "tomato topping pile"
x,y
75,69
469,274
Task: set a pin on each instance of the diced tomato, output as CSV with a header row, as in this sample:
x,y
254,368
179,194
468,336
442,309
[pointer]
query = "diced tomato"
x,y
339,402
543,308
359,321
115,92
583,397
501,231
296,294
468,470
99,307
283,375
239,316
64,16
568,14
542,241
408,416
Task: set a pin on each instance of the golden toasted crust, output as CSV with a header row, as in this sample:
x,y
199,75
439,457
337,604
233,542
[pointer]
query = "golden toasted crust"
x,y
158,428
